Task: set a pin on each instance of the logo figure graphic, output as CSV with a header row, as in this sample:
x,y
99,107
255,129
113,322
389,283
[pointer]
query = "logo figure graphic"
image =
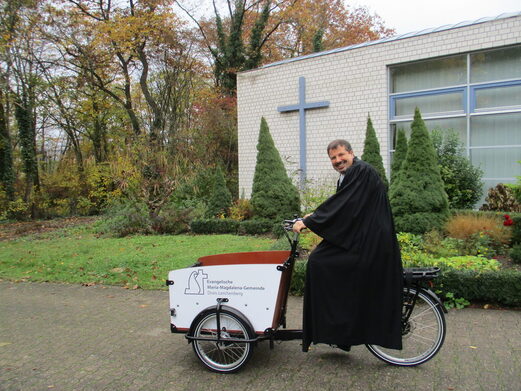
x,y
196,283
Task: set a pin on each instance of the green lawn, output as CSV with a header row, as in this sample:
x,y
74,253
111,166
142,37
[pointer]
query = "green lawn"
x,y
78,256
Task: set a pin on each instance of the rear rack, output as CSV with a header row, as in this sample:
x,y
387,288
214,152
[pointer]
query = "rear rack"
x,y
421,273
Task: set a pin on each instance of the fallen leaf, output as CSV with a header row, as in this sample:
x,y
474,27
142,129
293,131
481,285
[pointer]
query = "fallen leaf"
x,y
473,347
135,287
4,344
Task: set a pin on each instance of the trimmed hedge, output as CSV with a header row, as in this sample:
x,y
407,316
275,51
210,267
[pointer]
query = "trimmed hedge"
x,y
500,287
230,226
255,227
214,226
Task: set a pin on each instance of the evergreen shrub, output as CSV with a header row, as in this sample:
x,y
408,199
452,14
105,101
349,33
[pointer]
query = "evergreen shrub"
x,y
371,152
125,218
221,198
274,196
417,197
400,152
172,220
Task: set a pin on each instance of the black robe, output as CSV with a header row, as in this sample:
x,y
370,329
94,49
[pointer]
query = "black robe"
x,y
354,280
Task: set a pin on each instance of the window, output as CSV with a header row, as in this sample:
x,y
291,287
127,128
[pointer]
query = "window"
x,y
429,74
476,94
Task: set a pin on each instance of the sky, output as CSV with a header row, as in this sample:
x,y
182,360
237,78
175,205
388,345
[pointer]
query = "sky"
x,y
407,16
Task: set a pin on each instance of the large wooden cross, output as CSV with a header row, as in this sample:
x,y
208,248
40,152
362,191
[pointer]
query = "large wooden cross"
x,y
301,107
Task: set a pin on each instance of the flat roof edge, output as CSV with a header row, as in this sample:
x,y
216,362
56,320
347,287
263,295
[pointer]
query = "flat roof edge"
x,y
418,33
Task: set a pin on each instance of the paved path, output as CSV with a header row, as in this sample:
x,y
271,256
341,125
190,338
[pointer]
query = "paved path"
x,y
69,337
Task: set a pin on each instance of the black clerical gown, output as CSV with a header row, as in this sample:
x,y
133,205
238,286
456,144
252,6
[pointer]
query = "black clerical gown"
x,y
354,277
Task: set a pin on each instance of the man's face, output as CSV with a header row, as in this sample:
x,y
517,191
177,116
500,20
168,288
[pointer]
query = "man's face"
x,y
341,159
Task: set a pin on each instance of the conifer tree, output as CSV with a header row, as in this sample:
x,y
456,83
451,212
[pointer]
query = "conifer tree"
x,y
399,154
273,195
371,153
418,198
221,198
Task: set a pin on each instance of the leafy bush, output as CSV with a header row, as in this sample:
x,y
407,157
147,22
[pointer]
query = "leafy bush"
x,y
417,195
501,198
314,194
298,280
462,181
436,244
409,242
273,196
309,240
466,262
481,235
241,210
16,210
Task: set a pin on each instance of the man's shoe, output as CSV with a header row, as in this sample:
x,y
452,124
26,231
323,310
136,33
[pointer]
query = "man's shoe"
x,y
345,348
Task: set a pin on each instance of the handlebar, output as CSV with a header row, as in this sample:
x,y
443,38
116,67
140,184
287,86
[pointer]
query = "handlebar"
x,y
288,224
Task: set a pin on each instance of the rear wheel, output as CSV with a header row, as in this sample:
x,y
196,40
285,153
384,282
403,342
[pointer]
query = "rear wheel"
x,y
223,356
423,332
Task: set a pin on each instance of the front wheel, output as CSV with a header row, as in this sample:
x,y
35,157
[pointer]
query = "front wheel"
x,y
423,331
223,356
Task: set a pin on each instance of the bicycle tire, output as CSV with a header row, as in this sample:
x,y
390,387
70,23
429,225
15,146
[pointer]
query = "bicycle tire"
x,y
223,356
423,333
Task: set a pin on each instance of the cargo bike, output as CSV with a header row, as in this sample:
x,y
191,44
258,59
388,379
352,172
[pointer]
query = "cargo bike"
x,y
227,303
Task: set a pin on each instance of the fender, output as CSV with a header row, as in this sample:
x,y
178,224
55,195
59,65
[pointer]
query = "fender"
x,y
211,309
435,299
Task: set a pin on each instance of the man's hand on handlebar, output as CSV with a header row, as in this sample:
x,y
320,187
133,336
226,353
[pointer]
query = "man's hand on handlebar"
x,y
299,226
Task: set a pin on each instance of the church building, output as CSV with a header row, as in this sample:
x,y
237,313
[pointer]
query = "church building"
x,y
465,77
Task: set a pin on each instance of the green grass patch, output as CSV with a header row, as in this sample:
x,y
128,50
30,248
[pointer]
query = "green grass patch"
x,y
78,256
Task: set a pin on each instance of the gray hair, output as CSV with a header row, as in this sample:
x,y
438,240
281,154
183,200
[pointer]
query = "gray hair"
x,y
339,143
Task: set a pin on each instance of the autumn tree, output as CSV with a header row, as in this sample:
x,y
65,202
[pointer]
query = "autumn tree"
x,y
305,23
224,38
22,78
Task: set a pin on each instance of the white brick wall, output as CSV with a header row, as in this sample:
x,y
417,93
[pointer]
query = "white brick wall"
x,y
355,82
